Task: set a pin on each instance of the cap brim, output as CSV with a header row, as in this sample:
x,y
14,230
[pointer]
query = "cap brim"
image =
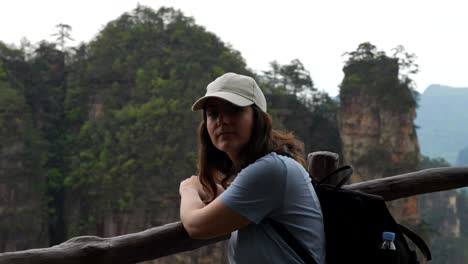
x,y
230,97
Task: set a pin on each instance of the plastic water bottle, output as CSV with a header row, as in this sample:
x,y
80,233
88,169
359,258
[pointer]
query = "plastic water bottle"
x,y
388,238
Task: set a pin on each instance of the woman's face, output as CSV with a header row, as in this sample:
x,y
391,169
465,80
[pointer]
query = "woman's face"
x,y
229,126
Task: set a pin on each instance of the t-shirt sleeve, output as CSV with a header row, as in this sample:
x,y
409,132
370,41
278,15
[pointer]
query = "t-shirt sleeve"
x,y
258,189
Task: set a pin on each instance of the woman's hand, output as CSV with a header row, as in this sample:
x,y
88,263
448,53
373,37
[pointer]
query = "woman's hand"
x,y
206,220
193,184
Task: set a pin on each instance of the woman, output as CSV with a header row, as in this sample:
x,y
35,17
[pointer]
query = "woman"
x,y
237,143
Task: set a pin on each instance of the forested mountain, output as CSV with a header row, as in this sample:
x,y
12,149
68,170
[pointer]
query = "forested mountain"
x,y
135,134
442,118
101,134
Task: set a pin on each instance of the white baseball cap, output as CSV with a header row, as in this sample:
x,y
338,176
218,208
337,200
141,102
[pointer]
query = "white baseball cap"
x,y
238,89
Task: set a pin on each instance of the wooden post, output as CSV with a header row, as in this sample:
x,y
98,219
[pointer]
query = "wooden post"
x,y
322,163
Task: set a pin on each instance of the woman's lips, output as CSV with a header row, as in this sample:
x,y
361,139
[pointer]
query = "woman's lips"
x,y
223,133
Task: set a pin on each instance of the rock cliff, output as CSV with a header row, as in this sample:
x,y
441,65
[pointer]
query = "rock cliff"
x,y
379,143
376,122
367,129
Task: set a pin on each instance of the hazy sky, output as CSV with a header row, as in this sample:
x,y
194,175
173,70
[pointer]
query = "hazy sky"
x,y
316,32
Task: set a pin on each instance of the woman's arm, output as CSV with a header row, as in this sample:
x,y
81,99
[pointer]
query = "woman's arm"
x,y
206,221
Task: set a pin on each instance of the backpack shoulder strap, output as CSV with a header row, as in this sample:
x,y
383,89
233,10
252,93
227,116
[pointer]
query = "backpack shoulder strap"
x,y
348,171
417,240
292,242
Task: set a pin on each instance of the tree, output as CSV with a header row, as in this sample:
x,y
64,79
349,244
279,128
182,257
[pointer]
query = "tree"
x,y
293,78
407,64
296,106
63,34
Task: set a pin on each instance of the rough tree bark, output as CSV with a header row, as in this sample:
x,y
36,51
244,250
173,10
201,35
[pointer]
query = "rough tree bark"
x,y
150,244
414,183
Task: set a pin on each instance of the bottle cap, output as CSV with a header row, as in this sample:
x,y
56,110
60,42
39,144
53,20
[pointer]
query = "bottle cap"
x,y
388,236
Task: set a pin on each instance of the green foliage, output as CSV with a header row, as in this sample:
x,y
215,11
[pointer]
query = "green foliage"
x,y
296,106
10,104
131,137
292,78
144,46
22,156
16,129
428,163
3,73
369,72
140,75
132,154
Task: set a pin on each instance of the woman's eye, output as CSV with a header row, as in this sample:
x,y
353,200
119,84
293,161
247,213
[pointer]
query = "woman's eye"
x,y
212,114
228,111
235,110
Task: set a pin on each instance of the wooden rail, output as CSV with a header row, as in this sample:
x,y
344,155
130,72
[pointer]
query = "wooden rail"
x,y
172,238
414,183
150,244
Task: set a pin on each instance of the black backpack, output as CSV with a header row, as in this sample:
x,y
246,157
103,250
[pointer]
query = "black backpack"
x,y
354,223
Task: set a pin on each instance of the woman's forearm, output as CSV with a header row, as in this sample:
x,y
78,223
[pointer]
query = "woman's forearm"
x,y
189,204
207,221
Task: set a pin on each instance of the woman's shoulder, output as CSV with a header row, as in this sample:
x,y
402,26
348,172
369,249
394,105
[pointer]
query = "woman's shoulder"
x,y
272,159
276,163
270,163
293,166
275,159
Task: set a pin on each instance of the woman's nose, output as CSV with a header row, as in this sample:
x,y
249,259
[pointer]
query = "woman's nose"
x,y
224,118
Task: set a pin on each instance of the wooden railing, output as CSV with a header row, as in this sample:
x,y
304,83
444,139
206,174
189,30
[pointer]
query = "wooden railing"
x,y
172,238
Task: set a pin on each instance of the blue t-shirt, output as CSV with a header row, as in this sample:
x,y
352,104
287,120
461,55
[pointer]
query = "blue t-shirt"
x,y
279,188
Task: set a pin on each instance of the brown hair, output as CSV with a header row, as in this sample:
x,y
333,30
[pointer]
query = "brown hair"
x,y
215,166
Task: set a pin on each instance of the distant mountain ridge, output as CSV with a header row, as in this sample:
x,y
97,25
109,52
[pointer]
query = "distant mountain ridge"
x,y
442,118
